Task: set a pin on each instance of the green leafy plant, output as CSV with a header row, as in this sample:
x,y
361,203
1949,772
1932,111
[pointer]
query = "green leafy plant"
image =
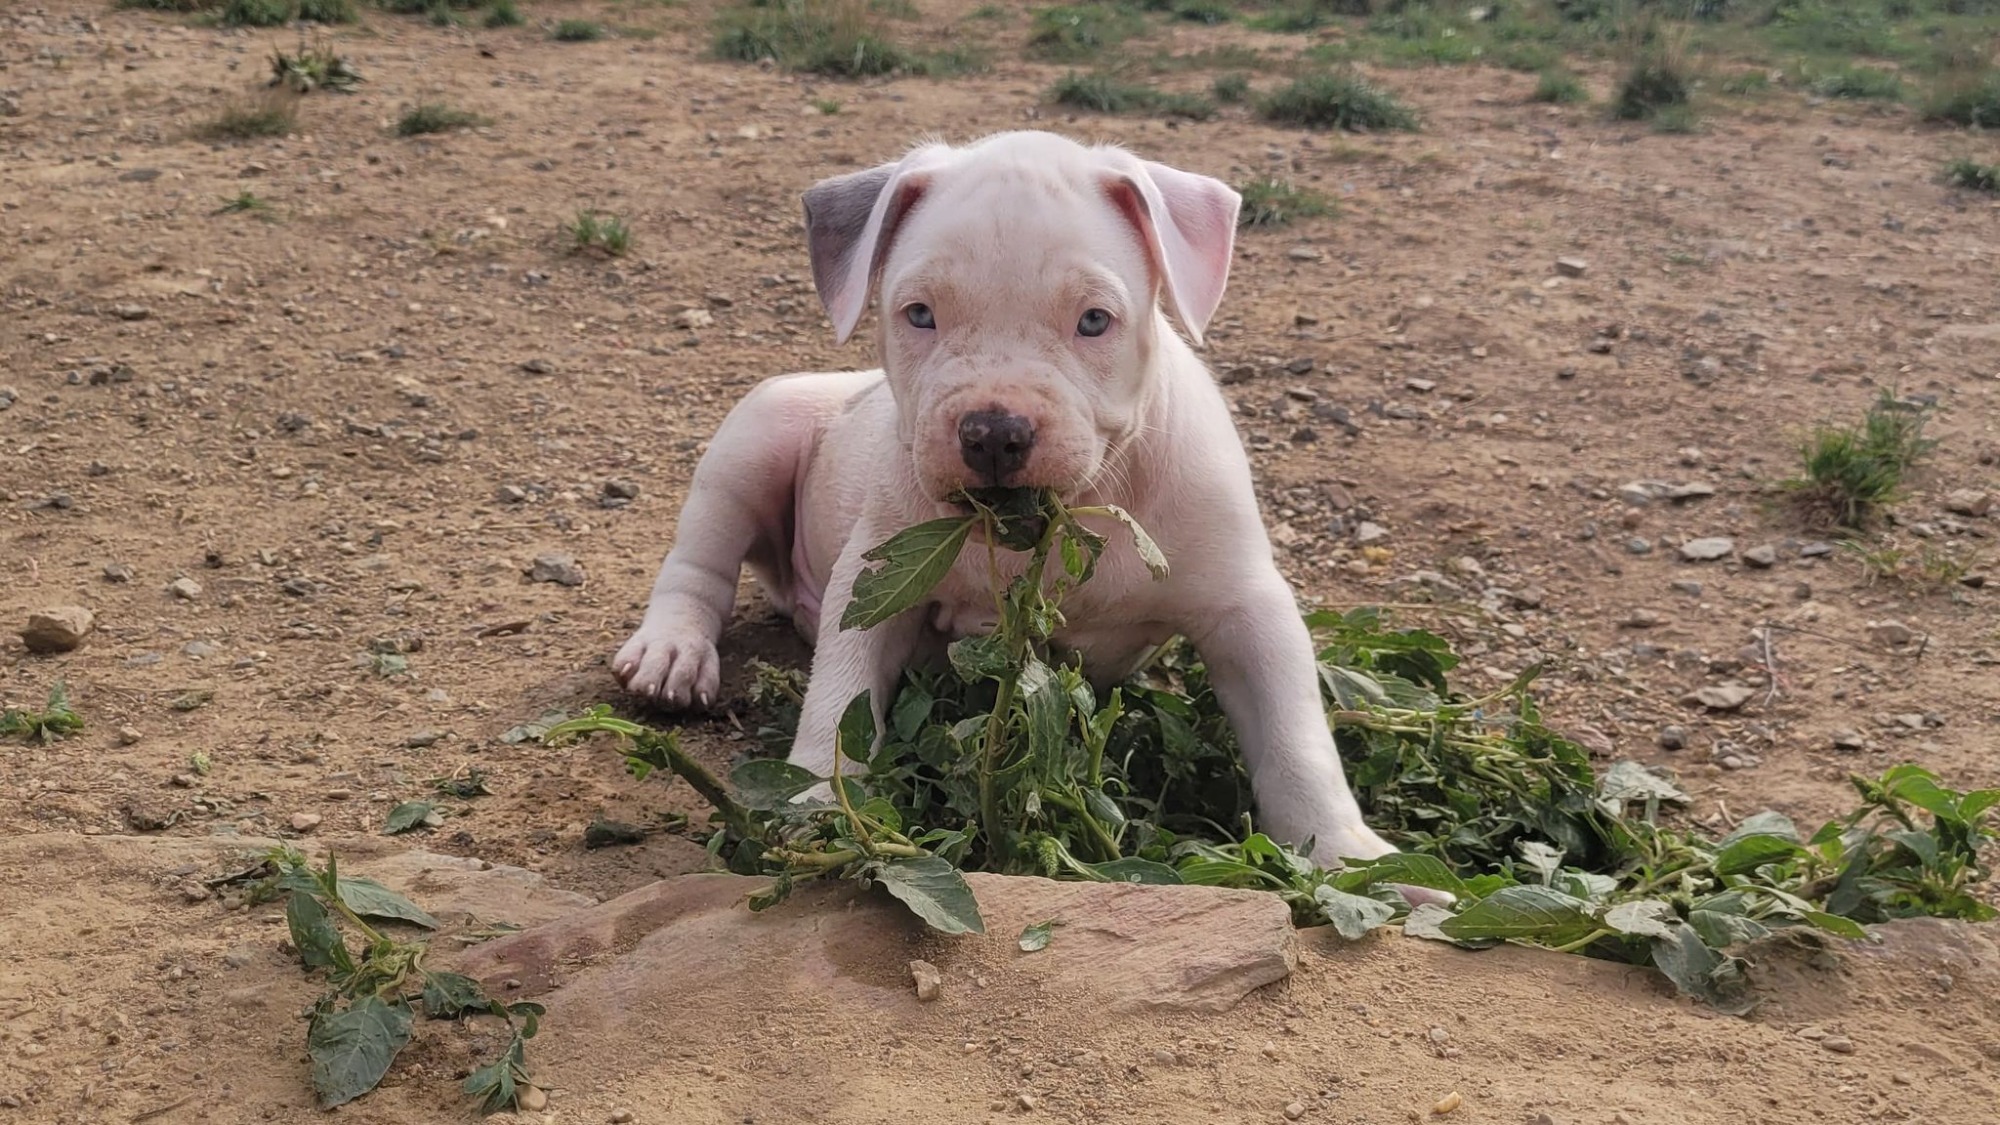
x,y
1102,93
367,1014
1009,761
313,67
837,38
1073,32
1971,175
1559,87
591,231
1230,89
272,115
504,13
435,117
1850,472
257,13
1656,80
577,31
1858,82
1969,97
327,11
53,721
1337,100
1272,202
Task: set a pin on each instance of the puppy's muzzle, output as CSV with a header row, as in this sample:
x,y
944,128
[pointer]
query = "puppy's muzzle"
x,y
995,444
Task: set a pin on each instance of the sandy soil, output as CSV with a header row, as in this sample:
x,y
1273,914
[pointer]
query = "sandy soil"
x,y
354,420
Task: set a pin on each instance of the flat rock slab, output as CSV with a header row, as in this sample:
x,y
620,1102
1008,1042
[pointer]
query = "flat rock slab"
x,y
1123,946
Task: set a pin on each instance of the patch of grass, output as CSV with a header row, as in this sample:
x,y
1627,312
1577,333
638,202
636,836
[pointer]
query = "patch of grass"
x,y
577,31
245,202
504,14
1230,89
1858,82
256,13
1559,87
435,117
837,38
1210,12
273,115
1746,82
168,5
1271,202
1102,93
1848,473
1677,120
1657,79
1970,174
1925,567
1529,58
1309,15
1968,97
313,67
1071,32
327,11
1337,100
826,106
591,231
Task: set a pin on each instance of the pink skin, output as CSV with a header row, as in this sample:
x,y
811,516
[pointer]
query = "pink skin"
x,y
1008,246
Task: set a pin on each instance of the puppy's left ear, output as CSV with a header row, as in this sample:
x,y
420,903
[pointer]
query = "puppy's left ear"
x,y
851,221
1188,223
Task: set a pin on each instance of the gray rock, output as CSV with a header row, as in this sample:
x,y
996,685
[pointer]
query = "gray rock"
x,y
1370,532
928,979
1723,697
558,568
1639,545
57,629
1895,634
186,589
1763,557
1571,267
1673,737
1968,502
620,489
117,572
1707,550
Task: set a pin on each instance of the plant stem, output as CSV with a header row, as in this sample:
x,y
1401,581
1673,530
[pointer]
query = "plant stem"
x,y
1582,942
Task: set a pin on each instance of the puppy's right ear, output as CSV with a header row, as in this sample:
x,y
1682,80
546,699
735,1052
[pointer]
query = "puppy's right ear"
x,y
851,221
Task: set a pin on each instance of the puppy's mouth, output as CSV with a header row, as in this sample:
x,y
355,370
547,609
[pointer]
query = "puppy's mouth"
x,y
1019,516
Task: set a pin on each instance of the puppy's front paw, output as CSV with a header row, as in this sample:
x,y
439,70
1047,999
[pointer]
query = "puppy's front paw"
x,y
676,667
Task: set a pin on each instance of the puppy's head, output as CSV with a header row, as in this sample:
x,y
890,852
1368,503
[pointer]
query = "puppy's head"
x,y
1022,281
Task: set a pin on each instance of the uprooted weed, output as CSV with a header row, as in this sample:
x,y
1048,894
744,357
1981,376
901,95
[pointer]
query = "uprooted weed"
x,y
314,66
367,1014
55,720
1007,762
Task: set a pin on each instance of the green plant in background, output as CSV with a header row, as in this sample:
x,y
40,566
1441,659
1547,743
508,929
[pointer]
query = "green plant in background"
x,y
1973,176
1008,761
1271,202
1101,93
435,117
591,230
1337,100
1559,87
837,38
312,67
1851,472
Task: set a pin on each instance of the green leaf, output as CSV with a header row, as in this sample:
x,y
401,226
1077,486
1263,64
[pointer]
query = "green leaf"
x,y
1354,690
1766,823
1721,929
411,815
1523,914
1047,707
1701,972
763,784
913,562
313,933
1642,918
497,1084
857,729
371,899
1541,858
1132,869
980,657
1748,853
912,711
448,996
1036,938
934,891
1149,551
1427,920
352,1050
1415,869
1973,804
1352,915
1628,782
1104,809
1835,924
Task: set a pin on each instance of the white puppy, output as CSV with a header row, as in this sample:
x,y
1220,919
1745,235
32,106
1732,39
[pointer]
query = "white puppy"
x,y
1025,283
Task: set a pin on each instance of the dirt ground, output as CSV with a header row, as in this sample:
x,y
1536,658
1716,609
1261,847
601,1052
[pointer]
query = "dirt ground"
x,y
353,420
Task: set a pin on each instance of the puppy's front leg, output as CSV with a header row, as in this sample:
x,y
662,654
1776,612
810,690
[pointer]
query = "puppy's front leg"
x,y
1261,663
847,662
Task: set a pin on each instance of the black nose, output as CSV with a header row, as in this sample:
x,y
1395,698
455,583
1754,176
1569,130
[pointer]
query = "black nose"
x,y
994,443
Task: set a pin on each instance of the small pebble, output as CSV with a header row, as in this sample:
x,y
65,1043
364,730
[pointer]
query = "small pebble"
x,y
1447,1103
928,979
620,1116
305,821
186,589
1294,1111
1838,1044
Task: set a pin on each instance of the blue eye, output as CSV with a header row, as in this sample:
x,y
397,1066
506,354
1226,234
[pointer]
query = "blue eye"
x,y
1094,322
920,316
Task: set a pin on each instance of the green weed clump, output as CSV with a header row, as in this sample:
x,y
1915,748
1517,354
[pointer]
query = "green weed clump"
x,y
1973,176
1102,93
1850,472
1272,202
1337,100
435,117
836,38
